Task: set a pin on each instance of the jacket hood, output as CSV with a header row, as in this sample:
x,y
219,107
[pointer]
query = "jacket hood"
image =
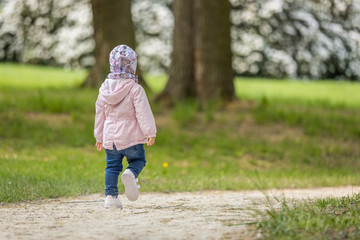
x,y
114,91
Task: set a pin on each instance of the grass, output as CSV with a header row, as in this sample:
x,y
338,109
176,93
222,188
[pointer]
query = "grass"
x,y
335,93
267,140
38,77
330,218
35,173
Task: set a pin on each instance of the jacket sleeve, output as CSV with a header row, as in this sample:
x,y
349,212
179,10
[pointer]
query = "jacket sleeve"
x,y
99,119
144,114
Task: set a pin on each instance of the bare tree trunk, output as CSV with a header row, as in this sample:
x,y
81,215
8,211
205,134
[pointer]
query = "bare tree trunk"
x,y
201,59
213,65
181,83
112,26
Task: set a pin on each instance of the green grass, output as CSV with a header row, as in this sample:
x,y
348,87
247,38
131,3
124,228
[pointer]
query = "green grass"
x,y
157,82
52,171
330,218
38,77
47,148
335,93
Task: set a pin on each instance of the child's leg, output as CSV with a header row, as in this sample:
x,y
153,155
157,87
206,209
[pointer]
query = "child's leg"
x,y
135,156
113,168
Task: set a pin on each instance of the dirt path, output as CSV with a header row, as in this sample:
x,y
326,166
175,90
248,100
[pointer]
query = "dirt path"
x,y
200,215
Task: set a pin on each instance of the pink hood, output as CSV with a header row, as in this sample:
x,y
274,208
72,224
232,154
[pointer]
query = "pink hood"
x,y
123,114
114,91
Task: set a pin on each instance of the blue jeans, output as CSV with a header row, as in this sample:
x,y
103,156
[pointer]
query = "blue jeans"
x,y
135,156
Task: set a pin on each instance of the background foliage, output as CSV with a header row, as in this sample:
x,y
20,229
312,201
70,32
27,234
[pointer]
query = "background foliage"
x,y
272,38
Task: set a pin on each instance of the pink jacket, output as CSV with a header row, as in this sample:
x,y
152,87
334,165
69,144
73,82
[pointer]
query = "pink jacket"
x,y
123,115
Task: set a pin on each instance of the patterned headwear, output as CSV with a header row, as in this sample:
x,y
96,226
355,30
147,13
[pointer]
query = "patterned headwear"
x,y
123,61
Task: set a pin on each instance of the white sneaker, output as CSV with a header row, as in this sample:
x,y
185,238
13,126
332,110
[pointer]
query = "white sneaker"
x,y
112,201
129,181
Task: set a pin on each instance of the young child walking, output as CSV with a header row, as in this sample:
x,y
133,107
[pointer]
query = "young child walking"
x,y
123,124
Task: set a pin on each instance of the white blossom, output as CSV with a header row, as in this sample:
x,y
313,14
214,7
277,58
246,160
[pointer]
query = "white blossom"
x,y
269,7
274,38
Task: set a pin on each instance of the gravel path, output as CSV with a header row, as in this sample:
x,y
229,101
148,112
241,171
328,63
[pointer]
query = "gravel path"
x,y
199,215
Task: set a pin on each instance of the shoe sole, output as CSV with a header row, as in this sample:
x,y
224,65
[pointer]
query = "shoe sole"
x,y
131,190
109,205
112,204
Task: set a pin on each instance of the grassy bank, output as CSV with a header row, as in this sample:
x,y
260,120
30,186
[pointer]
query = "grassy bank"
x,y
331,218
265,140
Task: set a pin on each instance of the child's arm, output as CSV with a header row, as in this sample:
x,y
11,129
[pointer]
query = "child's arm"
x,y
99,123
144,115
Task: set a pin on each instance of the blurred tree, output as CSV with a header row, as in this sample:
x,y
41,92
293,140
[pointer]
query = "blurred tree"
x,y
201,59
213,69
112,26
181,83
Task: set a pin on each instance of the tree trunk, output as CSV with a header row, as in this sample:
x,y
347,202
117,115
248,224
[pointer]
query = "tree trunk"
x,y
181,83
213,65
201,59
112,26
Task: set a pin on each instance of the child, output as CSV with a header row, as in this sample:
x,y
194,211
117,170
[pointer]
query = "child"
x,y
123,123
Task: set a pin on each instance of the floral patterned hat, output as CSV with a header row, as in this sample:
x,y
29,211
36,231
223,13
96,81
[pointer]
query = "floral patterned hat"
x,y
123,62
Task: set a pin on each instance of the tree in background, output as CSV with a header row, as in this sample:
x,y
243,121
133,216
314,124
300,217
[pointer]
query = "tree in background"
x,y
181,83
201,59
213,69
112,26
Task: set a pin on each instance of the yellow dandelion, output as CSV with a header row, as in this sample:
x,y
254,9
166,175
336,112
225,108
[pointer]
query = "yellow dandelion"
x,y
165,164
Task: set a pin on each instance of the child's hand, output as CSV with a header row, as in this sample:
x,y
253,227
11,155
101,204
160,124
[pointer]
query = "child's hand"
x,y
151,141
99,146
